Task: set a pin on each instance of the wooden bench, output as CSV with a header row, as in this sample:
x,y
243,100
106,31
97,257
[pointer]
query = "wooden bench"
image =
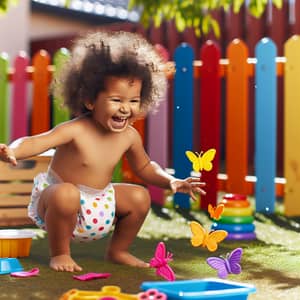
x,y
15,188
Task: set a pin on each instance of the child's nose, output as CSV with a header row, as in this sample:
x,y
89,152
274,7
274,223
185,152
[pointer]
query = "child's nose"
x,y
124,108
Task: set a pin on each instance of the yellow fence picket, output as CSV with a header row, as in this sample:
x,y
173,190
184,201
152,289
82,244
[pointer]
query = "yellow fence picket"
x,y
292,127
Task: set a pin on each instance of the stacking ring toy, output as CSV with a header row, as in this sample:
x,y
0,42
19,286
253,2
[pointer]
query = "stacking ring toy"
x,y
237,211
233,228
235,197
236,219
241,236
235,203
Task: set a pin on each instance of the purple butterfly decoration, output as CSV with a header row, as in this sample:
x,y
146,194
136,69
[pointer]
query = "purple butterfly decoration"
x,y
228,265
160,262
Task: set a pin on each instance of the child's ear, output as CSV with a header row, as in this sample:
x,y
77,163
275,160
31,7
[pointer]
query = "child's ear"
x,y
89,105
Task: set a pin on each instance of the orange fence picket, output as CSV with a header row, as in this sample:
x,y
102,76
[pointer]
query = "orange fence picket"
x,y
40,104
128,174
237,117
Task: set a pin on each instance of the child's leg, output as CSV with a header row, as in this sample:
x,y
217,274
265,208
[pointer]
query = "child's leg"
x,y
58,206
132,206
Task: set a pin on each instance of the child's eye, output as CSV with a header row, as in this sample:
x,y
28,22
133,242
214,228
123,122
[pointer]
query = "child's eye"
x,y
115,100
135,101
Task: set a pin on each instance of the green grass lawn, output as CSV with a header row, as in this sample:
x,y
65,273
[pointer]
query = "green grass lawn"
x,y
271,263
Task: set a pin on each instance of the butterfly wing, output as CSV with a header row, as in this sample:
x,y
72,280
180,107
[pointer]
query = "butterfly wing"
x,y
218,211
207,158
215,212
210,210
215,237
234,260
198,234
193,158
159,255
166,272
218,264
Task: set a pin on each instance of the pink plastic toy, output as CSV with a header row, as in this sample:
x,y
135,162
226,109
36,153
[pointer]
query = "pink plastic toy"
x,y
152,294
160,262
91,276
24,274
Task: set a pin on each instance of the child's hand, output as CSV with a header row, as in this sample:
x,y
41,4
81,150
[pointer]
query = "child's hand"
x,y
190,185
7,155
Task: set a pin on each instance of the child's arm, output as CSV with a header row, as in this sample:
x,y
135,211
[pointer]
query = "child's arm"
x,y
153,174
33,145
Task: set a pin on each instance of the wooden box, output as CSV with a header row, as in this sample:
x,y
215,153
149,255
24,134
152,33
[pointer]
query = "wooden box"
x,y
15,189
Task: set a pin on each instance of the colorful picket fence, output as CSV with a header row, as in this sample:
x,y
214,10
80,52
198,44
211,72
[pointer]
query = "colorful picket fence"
x,y
177,118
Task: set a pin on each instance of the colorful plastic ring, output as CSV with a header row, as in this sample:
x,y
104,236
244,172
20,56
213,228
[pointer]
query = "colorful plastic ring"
x,y
233,228
236,220
235,203
241,236
152,294
237,211
235,197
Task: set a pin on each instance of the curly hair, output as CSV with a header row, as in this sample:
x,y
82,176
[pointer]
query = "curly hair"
x,y
110,53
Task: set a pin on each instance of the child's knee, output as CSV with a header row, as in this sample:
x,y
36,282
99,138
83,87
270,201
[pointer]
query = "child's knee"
x,y
65,199
141,199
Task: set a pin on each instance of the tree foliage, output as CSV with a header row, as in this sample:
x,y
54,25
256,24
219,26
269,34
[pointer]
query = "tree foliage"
x,y
5,4
196,14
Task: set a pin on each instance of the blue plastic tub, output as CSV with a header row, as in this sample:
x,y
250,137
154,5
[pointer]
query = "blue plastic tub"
x,y
196,289
9,265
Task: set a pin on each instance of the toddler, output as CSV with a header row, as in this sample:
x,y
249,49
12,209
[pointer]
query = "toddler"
x,y
111,80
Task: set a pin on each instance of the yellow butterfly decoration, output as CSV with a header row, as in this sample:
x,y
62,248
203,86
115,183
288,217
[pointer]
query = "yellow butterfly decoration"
x,y
215,212
210,240
202,161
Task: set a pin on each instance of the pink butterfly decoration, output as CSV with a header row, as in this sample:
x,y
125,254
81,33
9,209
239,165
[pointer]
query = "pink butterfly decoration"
x,y
160,262
228,265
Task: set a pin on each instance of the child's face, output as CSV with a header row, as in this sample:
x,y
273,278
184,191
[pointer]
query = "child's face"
x,y
117,106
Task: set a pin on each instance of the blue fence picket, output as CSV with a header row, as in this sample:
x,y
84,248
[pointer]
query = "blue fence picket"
x,y
265,125
183,116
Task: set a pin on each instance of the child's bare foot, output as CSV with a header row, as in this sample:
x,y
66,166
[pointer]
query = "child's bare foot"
x,y
126,258
64,262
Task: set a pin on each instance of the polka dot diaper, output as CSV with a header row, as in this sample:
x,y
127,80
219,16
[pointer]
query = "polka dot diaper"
x,y
97,213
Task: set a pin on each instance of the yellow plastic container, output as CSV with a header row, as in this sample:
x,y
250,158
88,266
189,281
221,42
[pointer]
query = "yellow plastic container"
x,y
15,243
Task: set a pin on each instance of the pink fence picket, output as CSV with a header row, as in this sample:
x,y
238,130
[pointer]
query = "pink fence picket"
x,y
20,107
157,136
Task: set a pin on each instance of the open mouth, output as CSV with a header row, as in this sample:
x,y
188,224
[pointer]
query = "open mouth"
x,y
119,122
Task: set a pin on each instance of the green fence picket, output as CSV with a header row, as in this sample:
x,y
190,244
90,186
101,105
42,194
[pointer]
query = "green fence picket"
x,y
60,113
4,108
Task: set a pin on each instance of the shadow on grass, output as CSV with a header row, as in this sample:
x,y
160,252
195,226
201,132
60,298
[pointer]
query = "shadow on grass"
x,y
280,279
165,214
290,223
